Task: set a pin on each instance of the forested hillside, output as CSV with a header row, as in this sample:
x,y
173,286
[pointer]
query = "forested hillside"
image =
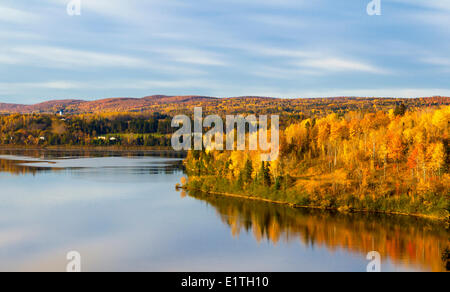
x,y
172,105
127,129
396,161
386,155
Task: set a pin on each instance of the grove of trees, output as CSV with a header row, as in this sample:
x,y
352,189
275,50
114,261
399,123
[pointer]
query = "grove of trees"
x,y
395,161
86,130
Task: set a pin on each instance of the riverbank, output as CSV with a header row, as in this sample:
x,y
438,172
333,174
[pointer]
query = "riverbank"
x,y
339,204
94,151
85,148
97,149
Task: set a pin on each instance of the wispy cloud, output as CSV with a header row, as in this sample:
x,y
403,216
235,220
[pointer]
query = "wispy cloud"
x,y
130,11
375,92
351,92
18,34
340,65
439,19
14,87
268,3
111,8
439,62
192,56
13,15
222,47
440,5
8,59
283,72
277,21
430,12
277,52
314,62
62,57
72,60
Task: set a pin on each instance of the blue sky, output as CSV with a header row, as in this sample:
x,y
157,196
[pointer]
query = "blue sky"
x,y
282,48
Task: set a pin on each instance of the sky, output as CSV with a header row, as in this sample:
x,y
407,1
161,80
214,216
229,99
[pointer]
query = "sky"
x,y
223,48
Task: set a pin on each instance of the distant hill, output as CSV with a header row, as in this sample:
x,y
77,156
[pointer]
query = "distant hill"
x,y
103,105
212,105
47,106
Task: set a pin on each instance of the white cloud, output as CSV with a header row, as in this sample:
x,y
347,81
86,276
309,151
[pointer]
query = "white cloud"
x,y
439,5
440,64
387,92
7,59
340,65
113,8
16,34
130,11
432,12
193,42
69,59
14,15
17,87
311,62
196,57
214,88
283,73
265,50
269,3
438,61
61,57
437,19
55,85
13,88
278,21
289,53
394,92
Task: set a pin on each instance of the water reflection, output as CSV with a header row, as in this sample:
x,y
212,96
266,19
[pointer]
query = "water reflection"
x,y
412,242
88,153
123,213
16,167
81,163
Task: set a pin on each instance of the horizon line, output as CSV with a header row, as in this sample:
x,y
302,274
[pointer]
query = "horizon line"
x,y
226,97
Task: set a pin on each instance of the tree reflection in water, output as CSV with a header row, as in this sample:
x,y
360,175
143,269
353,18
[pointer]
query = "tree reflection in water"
x,y
403,240
22,162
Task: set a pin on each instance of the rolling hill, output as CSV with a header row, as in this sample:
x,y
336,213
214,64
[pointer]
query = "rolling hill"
x,y
103,105
173,105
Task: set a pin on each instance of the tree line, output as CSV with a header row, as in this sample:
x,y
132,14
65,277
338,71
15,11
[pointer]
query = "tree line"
x,y
396,161
101,129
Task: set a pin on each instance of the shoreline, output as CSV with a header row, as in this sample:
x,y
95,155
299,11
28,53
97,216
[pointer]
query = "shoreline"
x,y
296,206
144,149
89,148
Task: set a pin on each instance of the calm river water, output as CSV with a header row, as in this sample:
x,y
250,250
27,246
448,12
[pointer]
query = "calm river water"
x,y
121,212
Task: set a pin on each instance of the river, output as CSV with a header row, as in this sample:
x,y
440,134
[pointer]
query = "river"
x,y
121,212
